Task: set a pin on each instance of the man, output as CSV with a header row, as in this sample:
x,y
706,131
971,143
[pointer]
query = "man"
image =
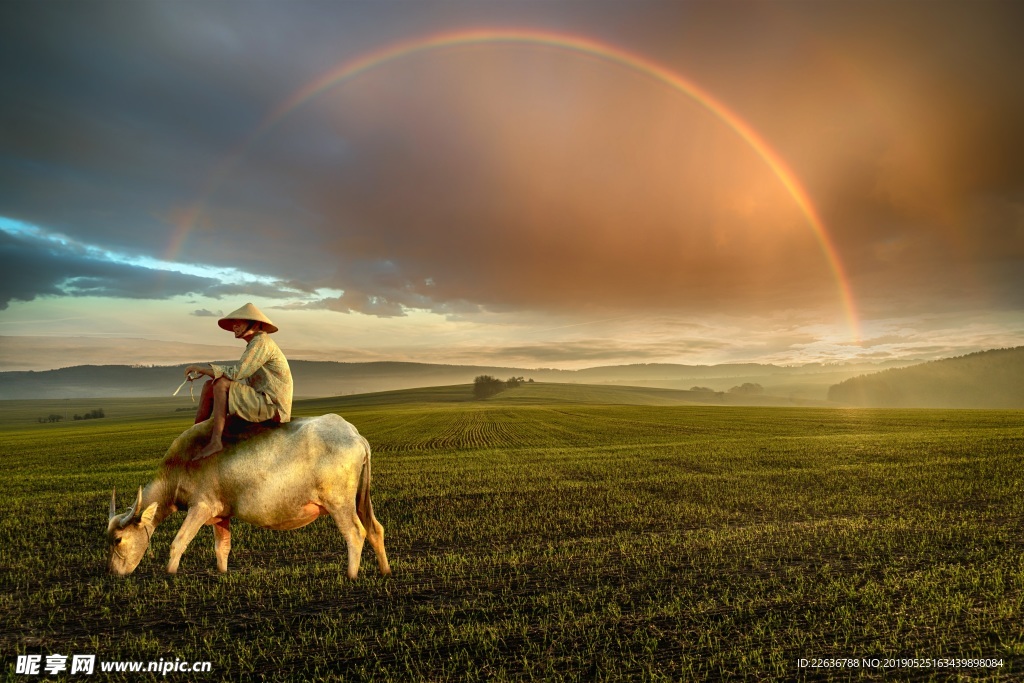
x,y
257,389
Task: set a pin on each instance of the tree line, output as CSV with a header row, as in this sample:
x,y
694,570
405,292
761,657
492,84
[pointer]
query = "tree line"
x,y
91,415
485,386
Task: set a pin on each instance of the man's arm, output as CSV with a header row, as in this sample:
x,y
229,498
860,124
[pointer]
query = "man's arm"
x,y
255,356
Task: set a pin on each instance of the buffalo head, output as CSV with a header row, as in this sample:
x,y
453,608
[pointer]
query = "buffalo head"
x,y
128,535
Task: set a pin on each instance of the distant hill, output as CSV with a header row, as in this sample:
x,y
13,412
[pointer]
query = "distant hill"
x,y
312,379
795,385
544,393
21,413
988,379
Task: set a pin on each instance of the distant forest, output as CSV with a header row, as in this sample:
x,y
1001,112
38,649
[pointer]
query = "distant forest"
x,y
988,379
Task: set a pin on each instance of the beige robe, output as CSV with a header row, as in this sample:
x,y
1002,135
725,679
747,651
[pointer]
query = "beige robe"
x,y
264,368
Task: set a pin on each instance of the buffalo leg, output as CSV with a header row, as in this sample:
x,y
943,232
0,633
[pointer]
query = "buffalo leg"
x,y
222,543
352,530
375,535
194,521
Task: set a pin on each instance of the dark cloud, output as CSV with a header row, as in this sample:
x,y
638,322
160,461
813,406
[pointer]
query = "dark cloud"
x,y
34,266
926,147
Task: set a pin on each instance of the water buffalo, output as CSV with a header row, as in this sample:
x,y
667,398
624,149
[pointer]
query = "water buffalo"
x,y
277,478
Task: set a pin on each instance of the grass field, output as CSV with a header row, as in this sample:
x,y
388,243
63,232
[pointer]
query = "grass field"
x,y
554,532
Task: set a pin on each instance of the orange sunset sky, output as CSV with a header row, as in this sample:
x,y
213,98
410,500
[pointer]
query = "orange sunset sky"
x,y
556,184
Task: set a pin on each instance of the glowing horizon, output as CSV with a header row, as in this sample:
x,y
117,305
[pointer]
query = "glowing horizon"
x,y
587,46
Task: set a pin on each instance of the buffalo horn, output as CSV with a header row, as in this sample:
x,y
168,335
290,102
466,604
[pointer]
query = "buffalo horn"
x,y
137,507
127,517
113,502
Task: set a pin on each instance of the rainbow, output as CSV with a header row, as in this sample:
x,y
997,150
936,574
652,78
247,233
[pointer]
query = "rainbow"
x,y
586,46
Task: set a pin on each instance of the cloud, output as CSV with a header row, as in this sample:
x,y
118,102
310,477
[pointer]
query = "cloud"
x,y
355,302
204,313
274,289
514,179
601,350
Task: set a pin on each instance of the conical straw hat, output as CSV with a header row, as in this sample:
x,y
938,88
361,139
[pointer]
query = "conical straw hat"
x,y
247,312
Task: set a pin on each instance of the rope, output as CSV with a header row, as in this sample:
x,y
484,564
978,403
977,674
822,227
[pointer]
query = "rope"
x,y
188,380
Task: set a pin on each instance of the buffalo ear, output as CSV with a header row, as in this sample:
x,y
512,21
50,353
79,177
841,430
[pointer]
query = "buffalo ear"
x,y
147,521
147,516
113,503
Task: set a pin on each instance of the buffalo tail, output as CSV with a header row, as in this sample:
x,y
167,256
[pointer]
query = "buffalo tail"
x,y
364,507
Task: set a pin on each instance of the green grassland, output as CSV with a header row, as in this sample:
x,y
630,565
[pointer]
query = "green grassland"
x,y
552,532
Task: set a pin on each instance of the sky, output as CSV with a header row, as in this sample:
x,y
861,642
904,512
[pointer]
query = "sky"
x,y
531,184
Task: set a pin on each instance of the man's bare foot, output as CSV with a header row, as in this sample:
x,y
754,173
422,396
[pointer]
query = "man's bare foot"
x,y
212,448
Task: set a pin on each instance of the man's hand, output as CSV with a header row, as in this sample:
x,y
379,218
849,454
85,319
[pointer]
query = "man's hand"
x,y
197,371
